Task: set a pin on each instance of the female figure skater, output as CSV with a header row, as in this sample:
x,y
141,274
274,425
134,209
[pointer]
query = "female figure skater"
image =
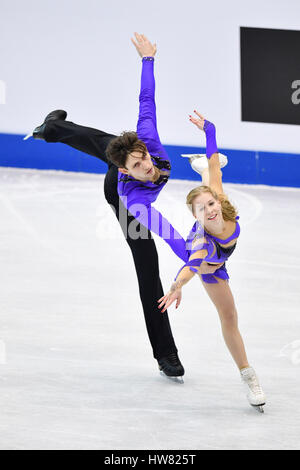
x,y
213,239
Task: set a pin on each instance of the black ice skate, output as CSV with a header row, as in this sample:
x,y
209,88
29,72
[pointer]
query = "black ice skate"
x,y
171,367
38,132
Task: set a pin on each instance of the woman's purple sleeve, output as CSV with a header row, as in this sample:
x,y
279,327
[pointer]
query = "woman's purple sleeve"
x,y
211,143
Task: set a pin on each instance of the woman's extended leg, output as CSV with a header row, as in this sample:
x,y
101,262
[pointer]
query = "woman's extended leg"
x,y
222,298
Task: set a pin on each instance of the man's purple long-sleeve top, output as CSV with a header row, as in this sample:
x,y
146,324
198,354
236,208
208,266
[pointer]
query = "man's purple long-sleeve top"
x,y
137,196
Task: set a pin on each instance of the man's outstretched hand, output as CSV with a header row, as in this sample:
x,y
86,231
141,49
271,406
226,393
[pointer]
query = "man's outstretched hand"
x,y
144,47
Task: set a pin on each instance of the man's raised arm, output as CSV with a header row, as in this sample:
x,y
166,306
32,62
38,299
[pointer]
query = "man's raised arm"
x,y
146,126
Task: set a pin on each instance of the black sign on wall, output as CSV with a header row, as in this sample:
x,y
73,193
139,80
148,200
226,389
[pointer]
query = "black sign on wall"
x,y
270,75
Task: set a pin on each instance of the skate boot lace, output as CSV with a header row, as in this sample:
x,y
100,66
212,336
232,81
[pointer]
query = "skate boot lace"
x,y
173,358
254,386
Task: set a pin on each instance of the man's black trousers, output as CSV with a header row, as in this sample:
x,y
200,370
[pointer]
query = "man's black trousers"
x,y
94,142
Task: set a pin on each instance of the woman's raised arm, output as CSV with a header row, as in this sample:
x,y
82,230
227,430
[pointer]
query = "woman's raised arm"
x,y
212,153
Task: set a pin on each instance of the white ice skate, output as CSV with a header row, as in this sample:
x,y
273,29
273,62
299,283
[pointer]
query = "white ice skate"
x,y
199,161
255,395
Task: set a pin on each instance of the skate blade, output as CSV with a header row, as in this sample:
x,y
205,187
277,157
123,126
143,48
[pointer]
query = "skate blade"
x,y
189,155
178,380
259,408
28,136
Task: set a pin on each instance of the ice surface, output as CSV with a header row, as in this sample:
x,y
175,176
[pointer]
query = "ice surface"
x,y
76,367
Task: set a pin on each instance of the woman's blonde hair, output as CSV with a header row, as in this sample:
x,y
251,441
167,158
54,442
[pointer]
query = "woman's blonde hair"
x,y
229,212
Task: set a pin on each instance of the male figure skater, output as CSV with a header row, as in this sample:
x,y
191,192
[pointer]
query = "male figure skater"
x,y
138,169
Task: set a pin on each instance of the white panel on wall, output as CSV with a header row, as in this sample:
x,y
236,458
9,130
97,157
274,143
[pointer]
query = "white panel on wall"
x,y
78,56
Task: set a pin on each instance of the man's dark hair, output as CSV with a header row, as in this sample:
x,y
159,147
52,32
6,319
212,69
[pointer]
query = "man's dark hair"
x,y
119,148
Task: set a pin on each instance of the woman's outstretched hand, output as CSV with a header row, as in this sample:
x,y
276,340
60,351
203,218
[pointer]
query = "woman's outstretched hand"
x,y
144,47
199,121
169,298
